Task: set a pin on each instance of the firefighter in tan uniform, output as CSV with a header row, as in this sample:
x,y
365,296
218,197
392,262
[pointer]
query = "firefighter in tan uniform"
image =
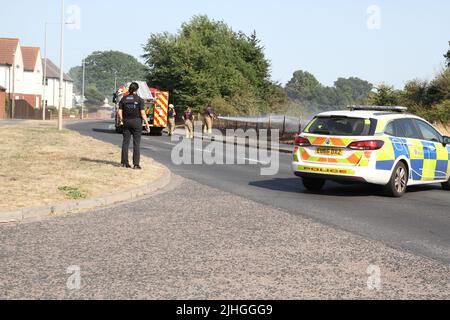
x,y
171,118
188,118
209,117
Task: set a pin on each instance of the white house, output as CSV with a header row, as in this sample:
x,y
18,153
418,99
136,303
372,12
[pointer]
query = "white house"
x,y
21,71
32,75
10,62
51,93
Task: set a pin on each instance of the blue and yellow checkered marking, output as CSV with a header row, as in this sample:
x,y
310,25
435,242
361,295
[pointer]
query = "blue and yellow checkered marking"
x,y
429,150
392,150
429,161
442,167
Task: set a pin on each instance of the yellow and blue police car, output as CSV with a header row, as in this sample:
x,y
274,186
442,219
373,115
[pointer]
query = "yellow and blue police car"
x,y
379,145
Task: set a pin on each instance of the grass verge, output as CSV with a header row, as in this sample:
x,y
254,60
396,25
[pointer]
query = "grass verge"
x,y
40,166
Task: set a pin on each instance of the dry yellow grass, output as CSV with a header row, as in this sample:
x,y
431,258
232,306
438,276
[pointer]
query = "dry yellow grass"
x,y
38,164
444,129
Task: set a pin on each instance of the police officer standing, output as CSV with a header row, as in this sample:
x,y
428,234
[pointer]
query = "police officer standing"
x,y
131,113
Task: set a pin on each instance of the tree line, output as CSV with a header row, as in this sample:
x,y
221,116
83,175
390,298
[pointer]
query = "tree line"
x,y
428,99
208,62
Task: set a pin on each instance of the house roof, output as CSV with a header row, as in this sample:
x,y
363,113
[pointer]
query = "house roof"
x,y
8,47
52,71
30,56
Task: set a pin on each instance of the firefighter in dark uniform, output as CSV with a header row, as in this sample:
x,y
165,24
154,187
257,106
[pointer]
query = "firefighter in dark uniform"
x,y
131,114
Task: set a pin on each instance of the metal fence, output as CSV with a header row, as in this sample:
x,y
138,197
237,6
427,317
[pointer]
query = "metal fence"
x,y
285,124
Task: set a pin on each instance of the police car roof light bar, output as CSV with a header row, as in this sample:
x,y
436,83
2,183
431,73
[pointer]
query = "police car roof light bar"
x,y
378,108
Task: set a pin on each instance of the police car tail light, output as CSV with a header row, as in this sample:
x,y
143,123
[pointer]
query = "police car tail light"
x,y
366,145
302,142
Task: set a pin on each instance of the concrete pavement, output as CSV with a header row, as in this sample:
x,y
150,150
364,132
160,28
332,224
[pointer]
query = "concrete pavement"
x,y
197,242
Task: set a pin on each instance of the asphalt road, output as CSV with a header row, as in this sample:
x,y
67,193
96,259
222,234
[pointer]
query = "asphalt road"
x,y
419,222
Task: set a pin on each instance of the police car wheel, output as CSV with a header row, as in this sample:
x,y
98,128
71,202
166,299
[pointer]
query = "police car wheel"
x,y
446,185
313,184
399,181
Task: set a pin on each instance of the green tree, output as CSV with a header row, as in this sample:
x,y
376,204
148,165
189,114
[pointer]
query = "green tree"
x,y
352,90
439,88
103,66
207,61
441,112
428,99
415,97
303,86
384,96
94,98
307,91
76,74
416,92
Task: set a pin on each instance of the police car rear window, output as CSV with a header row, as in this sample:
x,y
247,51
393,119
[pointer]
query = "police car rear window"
x,y
342,126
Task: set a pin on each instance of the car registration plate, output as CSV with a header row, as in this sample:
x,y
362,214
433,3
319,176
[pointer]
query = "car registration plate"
x,y
330,151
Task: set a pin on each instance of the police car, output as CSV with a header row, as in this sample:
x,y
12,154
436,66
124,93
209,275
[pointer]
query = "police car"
x,y
379,145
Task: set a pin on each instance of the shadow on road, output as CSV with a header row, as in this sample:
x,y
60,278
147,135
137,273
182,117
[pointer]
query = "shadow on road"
x,y
113,131
429,187
106,162
104,130
294,185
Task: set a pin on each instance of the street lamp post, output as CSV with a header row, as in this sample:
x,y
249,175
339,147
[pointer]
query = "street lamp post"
x,y
115,81
13,101
82,89
61,73
44,96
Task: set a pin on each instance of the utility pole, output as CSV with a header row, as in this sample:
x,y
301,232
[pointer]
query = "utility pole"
x,y
115,90
44,96
115,81
82,89
61,66
13,101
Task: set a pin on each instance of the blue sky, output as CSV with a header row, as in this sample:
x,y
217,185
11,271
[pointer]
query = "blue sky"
x,y
327,38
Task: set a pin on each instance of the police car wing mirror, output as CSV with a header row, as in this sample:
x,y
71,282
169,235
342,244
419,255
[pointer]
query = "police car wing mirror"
x,y
446,141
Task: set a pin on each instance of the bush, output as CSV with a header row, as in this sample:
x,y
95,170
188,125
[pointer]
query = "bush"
x,y
441,112
223,107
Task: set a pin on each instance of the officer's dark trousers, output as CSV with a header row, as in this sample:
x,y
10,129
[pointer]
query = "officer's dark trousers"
x,y
132,127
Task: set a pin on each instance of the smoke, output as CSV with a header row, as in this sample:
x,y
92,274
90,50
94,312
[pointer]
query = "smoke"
x,y
289,124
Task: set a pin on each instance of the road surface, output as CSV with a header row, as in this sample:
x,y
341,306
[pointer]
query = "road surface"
x,y
419,222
